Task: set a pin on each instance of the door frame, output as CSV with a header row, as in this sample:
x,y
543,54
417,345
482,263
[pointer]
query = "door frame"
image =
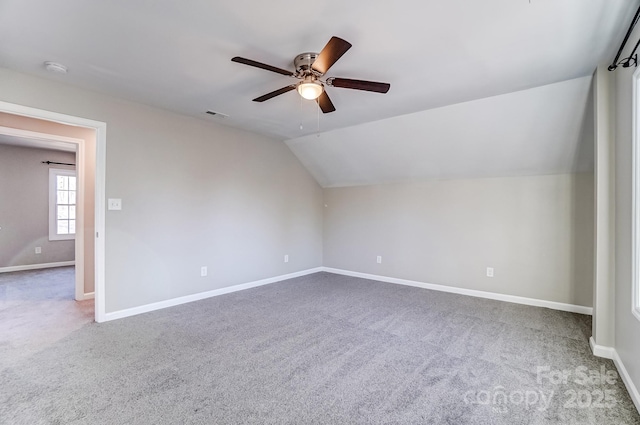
x,y
100,129
78,148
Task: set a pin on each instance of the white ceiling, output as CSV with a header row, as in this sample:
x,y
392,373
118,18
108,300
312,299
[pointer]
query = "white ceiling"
x,y
176,55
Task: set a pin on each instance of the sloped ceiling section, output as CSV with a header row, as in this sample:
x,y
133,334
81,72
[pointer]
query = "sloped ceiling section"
x,y
544,130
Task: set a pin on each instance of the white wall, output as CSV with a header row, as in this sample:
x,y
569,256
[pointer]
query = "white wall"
x,y
536,231
627,327
194,194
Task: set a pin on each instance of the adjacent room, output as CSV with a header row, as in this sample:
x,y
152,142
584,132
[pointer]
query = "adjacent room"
x,y
340,213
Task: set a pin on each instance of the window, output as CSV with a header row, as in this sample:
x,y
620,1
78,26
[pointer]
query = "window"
x,y
62,204
635,164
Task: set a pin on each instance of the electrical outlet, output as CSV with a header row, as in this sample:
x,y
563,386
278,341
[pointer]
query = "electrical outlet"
x,y
489,271
203,271
114,204
38,250
379,259
286,258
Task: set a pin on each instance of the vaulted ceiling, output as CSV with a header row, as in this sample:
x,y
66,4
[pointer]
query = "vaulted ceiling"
x,y
176,55
544,130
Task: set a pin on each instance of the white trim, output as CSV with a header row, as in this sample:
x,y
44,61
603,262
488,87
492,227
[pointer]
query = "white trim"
x,y
64,142
601,350
99,247
633,390
471,292
101,154
635,199
36,266
611,353
202,295
87,296
80,210
53,216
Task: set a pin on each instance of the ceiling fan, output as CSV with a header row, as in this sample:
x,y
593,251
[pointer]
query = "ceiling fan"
x,y
310,70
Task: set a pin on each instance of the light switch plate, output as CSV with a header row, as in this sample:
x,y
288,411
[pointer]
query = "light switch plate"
x,y
115,204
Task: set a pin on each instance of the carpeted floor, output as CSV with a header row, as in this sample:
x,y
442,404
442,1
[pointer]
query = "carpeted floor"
x,y
37,308
321,349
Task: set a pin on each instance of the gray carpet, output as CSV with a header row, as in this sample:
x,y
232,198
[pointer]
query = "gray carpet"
x,y
313,350
37,308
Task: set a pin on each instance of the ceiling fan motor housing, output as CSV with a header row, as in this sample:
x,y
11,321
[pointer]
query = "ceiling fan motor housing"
x,y
303,63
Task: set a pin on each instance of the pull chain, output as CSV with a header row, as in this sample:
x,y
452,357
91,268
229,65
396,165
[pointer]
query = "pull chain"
x,y
301,112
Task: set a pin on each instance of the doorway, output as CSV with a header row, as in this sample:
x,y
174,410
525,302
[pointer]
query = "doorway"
x,y
90,160
29,155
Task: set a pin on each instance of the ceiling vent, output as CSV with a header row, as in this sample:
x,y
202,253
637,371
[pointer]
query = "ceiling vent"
x,y
217,114
55,67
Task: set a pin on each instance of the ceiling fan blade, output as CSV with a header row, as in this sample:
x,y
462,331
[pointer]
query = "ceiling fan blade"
x,y
325,103
335,48
347,83
274,93
262,66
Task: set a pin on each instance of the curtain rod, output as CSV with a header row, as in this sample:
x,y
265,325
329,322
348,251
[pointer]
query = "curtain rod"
x,y
58,163
633,58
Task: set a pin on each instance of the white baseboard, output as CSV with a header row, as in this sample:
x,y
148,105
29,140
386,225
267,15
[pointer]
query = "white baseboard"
x,y
87,296
202,295
36,266
611,353
471,292
601,350
633,390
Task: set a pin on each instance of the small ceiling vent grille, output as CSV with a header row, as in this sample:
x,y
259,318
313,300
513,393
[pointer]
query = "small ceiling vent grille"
x,y
217,114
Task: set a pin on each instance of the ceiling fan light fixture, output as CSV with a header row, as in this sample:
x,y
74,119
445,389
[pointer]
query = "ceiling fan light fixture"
x,y
310,89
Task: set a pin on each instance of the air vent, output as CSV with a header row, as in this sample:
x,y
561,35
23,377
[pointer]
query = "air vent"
x,y
217,114
55,67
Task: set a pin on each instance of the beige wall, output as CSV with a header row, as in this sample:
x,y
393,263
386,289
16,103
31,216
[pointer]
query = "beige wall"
x,y
194,193
24,207
88,135
537,233
604,271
